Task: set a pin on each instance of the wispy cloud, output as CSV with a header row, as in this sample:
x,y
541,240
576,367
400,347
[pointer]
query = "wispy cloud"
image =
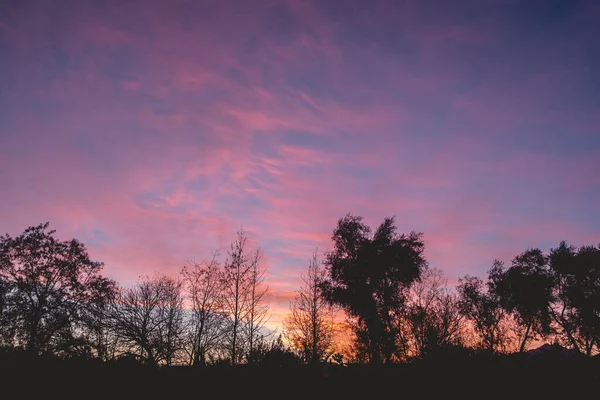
x,y
154,131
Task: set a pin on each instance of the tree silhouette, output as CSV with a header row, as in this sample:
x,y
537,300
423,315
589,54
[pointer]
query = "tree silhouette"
x,y
368,276
235,284
577,290
48,288
148,319
257,308
243,298
525,289
432,319
7,329
482,307
273,354
309,326
207,326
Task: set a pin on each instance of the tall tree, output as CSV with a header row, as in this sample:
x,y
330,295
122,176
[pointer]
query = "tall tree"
x,y
577,290
49,286
368,275
257,308
207,324
148,319
6,327
482,307
239,280
309,326
93,329
525,290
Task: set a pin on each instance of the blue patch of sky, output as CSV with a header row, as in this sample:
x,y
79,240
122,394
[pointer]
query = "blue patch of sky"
x,y
205,100
281,23
308,140
57,62
161,107
545,14
236,75
345,11
262,180
239,205
120,63
251,201
198,184
482,237
149,200
93,236
591,74
264,144
97,151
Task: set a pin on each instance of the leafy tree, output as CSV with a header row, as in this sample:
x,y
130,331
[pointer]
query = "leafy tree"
x,y
309,326
577,290
368,275
482,307
525,289
49,291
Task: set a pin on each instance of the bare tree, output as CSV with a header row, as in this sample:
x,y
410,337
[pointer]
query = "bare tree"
x,y
236,279
432,317
310,325
257,309
148,319
172,334
207,324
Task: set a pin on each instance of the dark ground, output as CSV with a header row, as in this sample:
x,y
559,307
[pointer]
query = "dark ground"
x,y
511,377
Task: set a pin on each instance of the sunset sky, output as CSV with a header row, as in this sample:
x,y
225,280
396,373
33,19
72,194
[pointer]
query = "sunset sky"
x,y
153,130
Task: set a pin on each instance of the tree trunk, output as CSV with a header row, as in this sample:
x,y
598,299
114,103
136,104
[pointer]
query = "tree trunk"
x,y
522,347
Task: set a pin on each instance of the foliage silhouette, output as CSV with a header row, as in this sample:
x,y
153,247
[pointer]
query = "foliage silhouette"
x,y
576,275
482,307
51,293
368,276
65,329
525,289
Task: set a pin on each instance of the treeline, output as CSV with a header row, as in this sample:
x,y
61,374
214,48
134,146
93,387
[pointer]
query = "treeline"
x,y
53,299
374,286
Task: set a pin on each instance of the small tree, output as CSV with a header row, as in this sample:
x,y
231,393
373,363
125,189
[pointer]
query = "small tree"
x,y
433,319
207,323
148,319
482,307
310,325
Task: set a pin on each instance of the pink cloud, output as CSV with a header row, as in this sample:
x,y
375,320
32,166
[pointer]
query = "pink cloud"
x,y
168,134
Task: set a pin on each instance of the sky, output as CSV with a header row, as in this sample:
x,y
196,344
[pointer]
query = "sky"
x,y
154,130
